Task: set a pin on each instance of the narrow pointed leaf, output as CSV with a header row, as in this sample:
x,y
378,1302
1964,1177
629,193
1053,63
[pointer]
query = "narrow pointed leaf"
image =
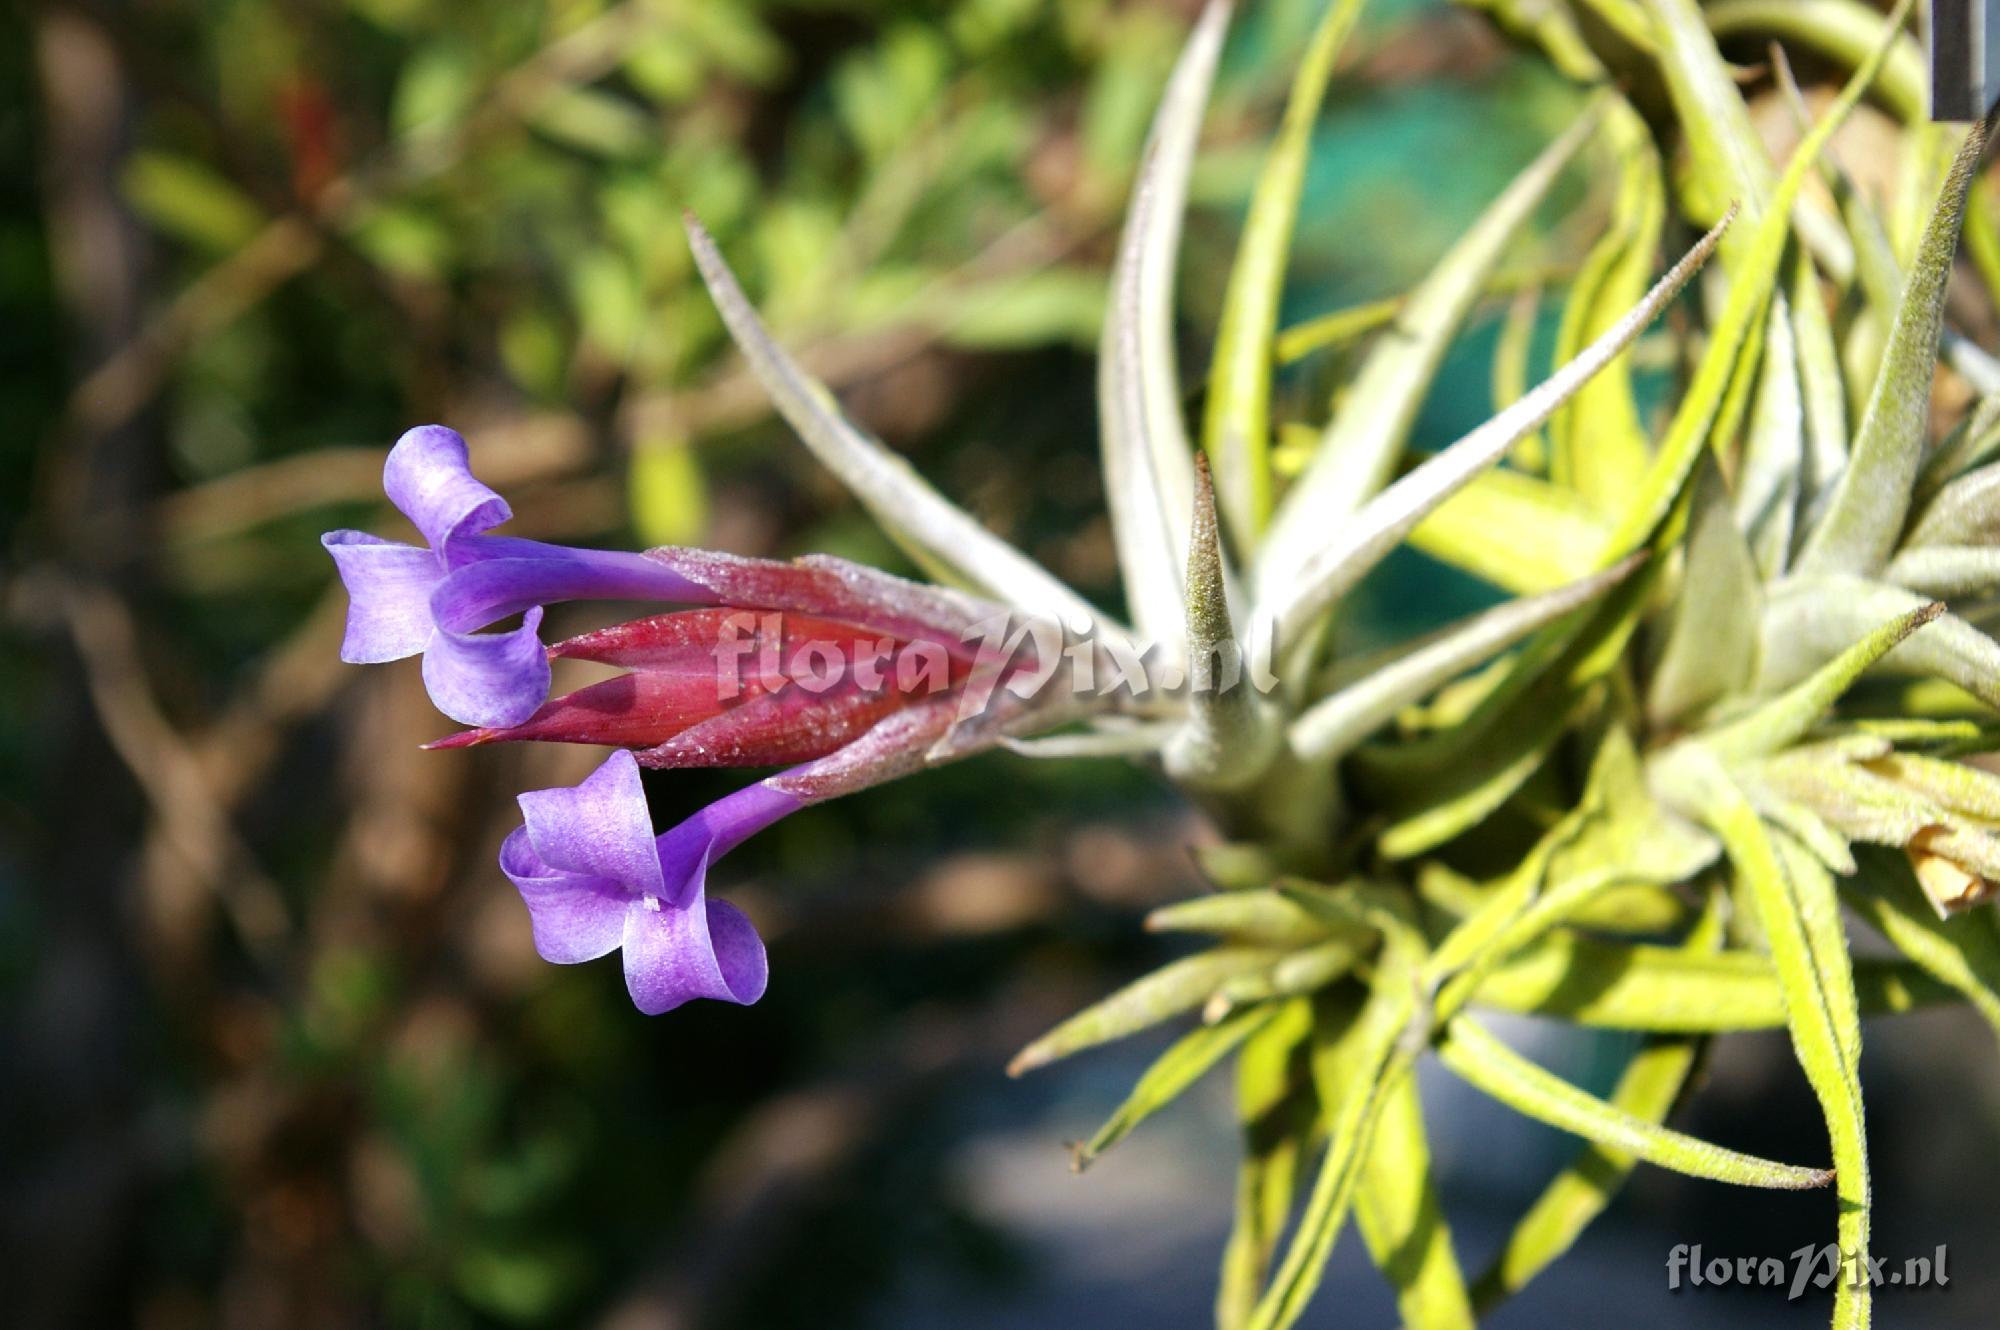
x,y
936,532
1971,446
1334,726
1820,383
1953,572
1728,158
1668,990
1177,987
1172,1073
1767,478
1489,754
1647,1090
1148,472
1486,1063
1964,512
1799,911
1256,918
1865,515
1236,432
1785,718
1276,1105
1356,1061
1359,451
1396,1207
1711,650
1752,276
1809,620
1330,569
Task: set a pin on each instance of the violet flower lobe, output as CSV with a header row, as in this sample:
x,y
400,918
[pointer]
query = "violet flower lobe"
x,y
596,880
434,600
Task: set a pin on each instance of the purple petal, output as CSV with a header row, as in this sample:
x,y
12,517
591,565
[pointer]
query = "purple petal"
x,y
429,477
599,828
488,679
687,850
496,576
705,950
575,917
388,595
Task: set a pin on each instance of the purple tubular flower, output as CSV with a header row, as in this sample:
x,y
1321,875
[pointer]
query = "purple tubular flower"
x,y
405,600
596,879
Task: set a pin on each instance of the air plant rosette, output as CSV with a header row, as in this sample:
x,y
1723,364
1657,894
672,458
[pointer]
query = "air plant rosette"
x,y
1744,660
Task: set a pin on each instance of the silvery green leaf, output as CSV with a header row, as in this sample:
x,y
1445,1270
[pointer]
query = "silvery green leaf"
x,y
1972,362
1336,724
1767,478
1727,155
1863,805
1820,384
1463,772
1711,646
1720,375
1809,620
1485,1062
1865,515
1104,740
1782,720
938,534
1958,786
1236,429
1328,570
1358,452
1148,470
1971,445
1306,970
1804,825
1964,512
1949,572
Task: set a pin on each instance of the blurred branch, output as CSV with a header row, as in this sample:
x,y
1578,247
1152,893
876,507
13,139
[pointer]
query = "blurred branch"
x,y
169,773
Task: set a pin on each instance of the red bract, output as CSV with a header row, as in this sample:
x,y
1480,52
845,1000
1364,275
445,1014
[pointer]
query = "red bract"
x,y
737,687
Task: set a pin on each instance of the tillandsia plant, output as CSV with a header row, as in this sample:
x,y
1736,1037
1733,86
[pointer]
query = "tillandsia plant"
x,y
1633,797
